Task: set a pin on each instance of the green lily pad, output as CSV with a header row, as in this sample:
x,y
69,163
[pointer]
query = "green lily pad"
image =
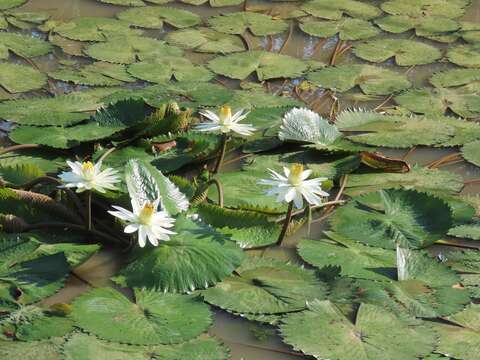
x,y
446,8
165,68
419,178
24,20
437,101
153,17
205,40
22,45
392,131
94,29
372,80
325,333
334,10
17,78
346,28
471,152
247,228
405,52
96,74
354,259
469,79
266,65
459,341
127,50
267,286
239,22
8,4
154,318
423,25
465,55
196,257
387,217
469,231
32,350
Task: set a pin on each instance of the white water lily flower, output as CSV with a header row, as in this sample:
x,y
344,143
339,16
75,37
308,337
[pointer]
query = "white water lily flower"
x,y
150,223
89,176
295,187
225,122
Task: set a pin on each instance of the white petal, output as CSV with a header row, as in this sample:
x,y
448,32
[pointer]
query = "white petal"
x,y
291,194
142,237
306,174
298,200
131,228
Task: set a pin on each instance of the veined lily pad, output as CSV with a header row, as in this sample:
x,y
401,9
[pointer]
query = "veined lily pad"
x,y
469,79
405,52
354,259
153,17
22,19
94,29
334,10
346,28
324,332
110,315
471,152
267,65
205,40
465,55
19,78
437,101
446,8
34,350
165,68
96,74
263,285
387,217
422,24
126,50
23,45
372,80
8,4
196,257
239,22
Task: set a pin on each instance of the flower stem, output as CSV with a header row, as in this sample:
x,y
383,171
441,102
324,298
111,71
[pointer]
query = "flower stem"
x,y
221,155
18,147
88,207
285,224
218,185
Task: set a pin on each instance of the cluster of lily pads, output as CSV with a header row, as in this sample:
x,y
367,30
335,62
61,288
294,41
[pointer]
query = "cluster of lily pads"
x,y
145,134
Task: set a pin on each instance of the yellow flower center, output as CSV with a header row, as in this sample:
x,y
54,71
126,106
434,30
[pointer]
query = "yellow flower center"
x,y
225,113
295,177
88,170
146,214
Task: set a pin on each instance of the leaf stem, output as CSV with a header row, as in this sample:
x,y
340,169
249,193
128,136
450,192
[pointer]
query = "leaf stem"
x,y
18,147
288,218
218,185
223,148
88,207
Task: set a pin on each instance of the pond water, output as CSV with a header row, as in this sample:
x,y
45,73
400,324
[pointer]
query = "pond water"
x,y
239,334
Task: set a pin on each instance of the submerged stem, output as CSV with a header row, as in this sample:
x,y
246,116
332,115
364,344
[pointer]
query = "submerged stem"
x,y
288,218
88,207
223,148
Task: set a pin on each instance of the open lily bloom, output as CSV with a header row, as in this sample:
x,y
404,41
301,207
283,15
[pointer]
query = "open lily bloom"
x,y
150,223
225,122
89,176
295,187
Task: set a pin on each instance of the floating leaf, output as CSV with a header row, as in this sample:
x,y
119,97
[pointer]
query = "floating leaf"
x,y
23,45
239,22
32,350
465,55
387,217
205,40
469,231
247,228
164,68
17,78
266,286
126,50
405,52
446,8
96,74
266,65
324,332
471,152
8,4
196,257
439,100
94,29
346,28
152,17
456,77
112,316
423,25
335,10
371,79
354,259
